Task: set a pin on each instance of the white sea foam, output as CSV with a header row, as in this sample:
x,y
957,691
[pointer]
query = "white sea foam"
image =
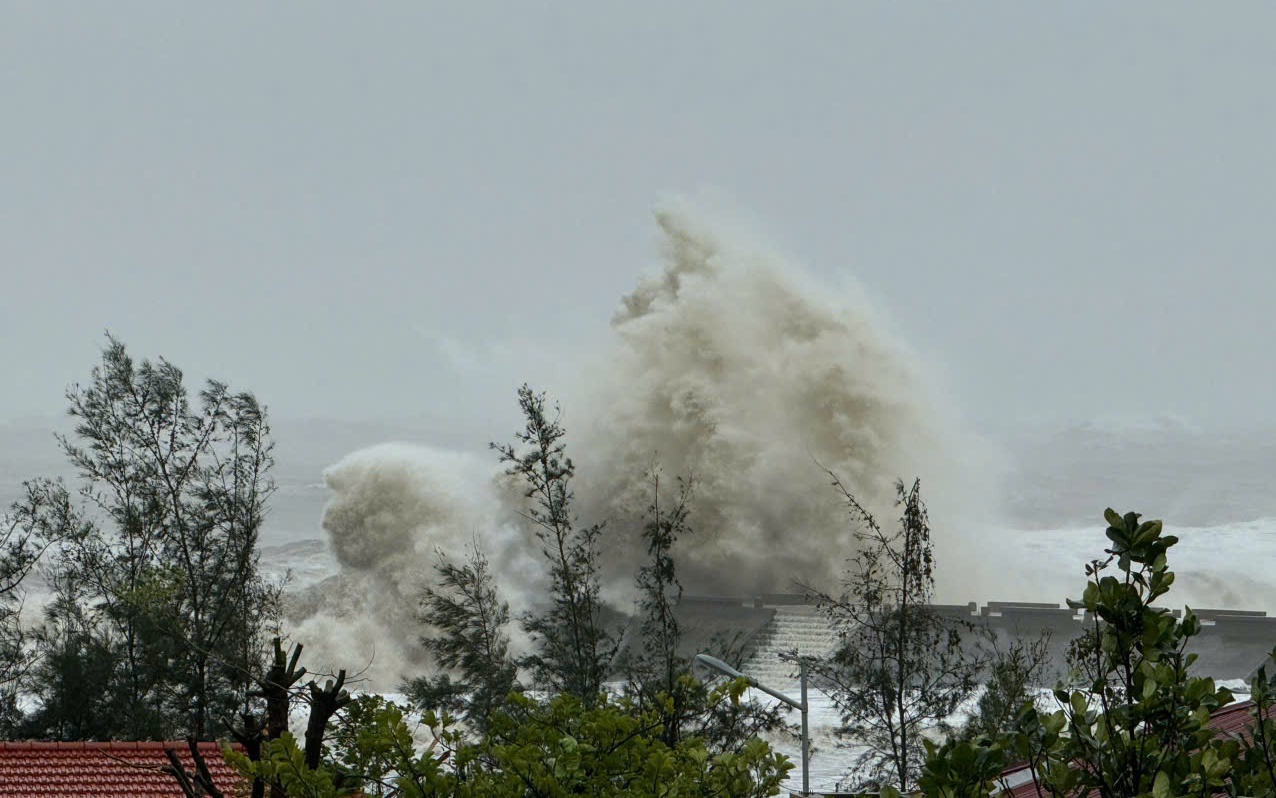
x,y
1217,566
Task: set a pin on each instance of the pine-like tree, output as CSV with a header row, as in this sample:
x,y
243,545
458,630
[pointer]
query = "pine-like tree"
x,y
899,668
77,672
471,642
575,651
1014,675
23,540
657,673
163,545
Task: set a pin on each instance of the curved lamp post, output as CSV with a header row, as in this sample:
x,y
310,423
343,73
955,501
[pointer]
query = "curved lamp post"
x,y
719,665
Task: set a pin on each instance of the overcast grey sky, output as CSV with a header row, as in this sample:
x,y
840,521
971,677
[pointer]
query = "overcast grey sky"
x,y
1069,206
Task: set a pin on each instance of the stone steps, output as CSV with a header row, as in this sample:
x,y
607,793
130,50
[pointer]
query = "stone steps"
x,y
793,628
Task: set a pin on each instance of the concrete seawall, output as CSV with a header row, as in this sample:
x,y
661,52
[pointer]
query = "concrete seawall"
x,y
1231,645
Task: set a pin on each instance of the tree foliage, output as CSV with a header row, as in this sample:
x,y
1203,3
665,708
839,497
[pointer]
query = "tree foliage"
x,y
659,678
899,669
471,643
560,748
574,651
655,671
25,534
1135,720
1144,717
74,679
1254,771
156,563
1011,678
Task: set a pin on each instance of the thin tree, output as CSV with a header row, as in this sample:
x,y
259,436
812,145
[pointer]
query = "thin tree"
x,y
899,669
1012,680
471,642
164,539
25,534
657,673
574,650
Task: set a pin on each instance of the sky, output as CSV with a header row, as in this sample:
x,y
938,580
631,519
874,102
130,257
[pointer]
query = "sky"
x,y
405,209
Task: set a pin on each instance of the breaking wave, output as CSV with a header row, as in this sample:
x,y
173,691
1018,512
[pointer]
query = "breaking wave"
x,y
729,365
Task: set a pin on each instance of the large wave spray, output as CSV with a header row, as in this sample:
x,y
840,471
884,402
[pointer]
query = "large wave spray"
x,y
729,366
732,366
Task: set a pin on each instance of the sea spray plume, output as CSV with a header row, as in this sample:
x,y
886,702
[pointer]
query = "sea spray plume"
x,y
392,506
730,365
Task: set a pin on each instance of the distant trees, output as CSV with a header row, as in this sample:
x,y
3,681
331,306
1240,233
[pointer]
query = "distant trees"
x,y
160,610
574,651
899,669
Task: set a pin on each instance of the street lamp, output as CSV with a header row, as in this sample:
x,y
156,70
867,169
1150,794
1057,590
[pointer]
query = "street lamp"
x,y
803,706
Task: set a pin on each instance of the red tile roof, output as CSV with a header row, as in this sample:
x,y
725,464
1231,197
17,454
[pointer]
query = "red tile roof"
x,y
1234,718
112,770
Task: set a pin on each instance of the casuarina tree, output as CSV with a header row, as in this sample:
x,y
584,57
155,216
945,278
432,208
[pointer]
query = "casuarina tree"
x,y
574,651
159,543
469,640
899,669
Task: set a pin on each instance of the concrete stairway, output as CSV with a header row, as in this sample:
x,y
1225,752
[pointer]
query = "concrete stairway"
x,y
794,627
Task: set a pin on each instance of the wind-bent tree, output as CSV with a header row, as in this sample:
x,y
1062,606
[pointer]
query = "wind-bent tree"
x,y
24,537
899,668
574,651
471,642
657,673
160,553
